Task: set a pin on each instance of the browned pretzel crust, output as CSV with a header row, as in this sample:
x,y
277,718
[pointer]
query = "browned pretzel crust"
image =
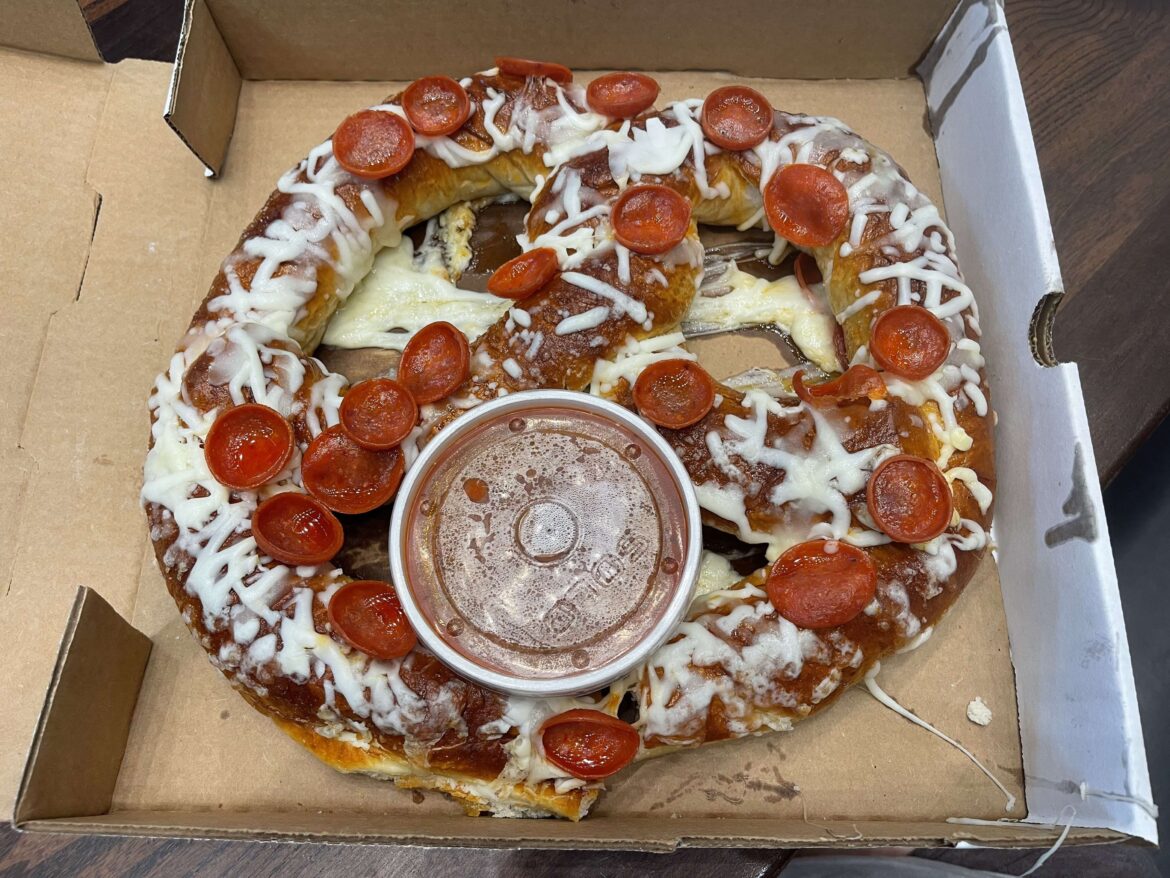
x,y
415,721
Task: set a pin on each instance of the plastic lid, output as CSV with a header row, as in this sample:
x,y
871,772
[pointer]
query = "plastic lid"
x,y
545,543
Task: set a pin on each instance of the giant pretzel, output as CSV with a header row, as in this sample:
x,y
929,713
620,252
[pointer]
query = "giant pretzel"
x,y
871,489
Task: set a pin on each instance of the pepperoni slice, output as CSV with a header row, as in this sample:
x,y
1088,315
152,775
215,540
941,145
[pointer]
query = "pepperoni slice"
x,y
346,477
523,67
736,117
373,143
858,382
806,204
589,744
248,445
674,393
435,362
909,341
367,615
296,529
378,413
821,583
621,95
436,105
519,278
909,499
650,218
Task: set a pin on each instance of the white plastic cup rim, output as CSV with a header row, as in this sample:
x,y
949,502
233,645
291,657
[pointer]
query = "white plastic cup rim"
x,y
594,678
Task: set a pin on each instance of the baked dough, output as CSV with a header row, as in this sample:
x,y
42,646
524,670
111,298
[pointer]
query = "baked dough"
x,y
767,466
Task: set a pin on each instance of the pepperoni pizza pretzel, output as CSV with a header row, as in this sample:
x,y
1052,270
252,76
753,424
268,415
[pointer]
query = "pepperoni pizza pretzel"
x,y
869,488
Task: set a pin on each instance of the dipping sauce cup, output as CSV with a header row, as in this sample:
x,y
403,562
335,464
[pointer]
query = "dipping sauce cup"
x,y
546,543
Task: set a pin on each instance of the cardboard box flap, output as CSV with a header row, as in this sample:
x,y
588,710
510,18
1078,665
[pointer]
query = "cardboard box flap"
x,y
54,27
85,340
69,209
376,40
205,89
1060,588
82,730
57,220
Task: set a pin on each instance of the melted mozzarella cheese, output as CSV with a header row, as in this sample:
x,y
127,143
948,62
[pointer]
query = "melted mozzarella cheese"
x,y
406,290
715,574
817,479
679,694
396,299
632,357
754,301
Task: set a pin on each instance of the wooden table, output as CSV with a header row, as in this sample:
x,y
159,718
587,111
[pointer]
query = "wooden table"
x,y
1097,79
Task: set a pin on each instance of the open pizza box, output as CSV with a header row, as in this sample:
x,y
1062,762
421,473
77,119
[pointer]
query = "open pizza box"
x,y
114,719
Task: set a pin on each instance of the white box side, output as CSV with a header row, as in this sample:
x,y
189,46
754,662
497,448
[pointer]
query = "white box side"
x,y
1084,756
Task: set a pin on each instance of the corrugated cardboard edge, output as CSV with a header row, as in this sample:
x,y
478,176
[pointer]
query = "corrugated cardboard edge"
x,y
82,729
51,27
652,835
1064,616
205,89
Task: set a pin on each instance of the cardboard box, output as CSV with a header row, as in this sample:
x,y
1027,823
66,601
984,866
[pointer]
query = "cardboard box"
x,y
118,722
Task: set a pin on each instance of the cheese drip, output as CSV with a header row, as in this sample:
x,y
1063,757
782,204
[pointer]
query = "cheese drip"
x,y
397,298
753,301
405,290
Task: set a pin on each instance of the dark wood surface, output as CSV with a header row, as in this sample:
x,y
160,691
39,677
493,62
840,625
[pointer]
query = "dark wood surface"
x,y
1096,75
